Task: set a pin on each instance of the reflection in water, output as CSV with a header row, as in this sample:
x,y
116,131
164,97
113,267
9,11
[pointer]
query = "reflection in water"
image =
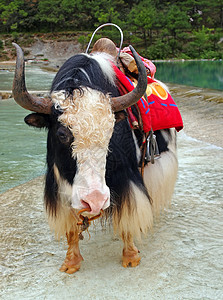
x,y
205,74
181,259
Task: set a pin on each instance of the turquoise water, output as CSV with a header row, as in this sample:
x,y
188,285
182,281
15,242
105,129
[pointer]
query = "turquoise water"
x,y
205,74
22,148
36,79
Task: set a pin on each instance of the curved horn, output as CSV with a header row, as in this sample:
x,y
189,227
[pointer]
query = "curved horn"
x,y
20,93
125,101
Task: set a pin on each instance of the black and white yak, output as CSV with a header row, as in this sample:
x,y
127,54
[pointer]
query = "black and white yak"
x,y
93,155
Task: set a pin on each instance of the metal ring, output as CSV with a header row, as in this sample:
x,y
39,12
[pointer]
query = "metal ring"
x,y
103,25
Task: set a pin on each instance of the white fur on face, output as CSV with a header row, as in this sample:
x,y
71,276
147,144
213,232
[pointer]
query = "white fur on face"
x,y
91,121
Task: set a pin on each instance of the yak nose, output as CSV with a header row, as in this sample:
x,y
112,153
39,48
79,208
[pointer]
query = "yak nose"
x,y
95,201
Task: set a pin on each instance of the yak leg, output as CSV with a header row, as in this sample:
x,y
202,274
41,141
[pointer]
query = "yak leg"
x,y
130,255
73,258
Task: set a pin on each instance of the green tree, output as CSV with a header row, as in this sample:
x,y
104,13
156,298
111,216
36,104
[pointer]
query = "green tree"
x,y
197,47
78,14
177,21
50,13
217,13
142,18
30,22
85,14
12,14
163,29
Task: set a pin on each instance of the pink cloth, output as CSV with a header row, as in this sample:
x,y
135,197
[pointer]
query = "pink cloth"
x,y
147,63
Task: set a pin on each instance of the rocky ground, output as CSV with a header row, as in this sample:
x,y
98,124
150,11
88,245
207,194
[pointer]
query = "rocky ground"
x,y
48,53
201,111
52,53
53,49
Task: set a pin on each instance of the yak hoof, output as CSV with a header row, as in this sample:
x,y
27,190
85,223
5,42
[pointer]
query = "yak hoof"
x,y
69,269
130,260
71,266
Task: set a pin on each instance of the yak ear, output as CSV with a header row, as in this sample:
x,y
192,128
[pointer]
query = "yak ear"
x,y
37,120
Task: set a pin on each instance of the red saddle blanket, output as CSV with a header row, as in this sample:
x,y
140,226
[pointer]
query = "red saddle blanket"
x,y
160,112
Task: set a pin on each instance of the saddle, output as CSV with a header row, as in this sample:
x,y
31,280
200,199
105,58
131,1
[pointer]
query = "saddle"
x,y
156,110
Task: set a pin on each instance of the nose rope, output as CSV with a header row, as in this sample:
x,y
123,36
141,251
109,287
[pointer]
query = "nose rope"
x,y
86,221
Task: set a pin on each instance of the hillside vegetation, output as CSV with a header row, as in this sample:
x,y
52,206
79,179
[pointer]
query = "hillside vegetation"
x,y
159,29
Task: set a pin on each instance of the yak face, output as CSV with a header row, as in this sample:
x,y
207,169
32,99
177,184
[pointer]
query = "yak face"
x,y
78,142
88,116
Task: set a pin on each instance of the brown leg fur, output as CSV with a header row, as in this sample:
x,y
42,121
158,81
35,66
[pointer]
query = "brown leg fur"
x,y
130,255
73,258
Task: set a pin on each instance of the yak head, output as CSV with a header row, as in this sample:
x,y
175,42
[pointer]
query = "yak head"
x,y
80,119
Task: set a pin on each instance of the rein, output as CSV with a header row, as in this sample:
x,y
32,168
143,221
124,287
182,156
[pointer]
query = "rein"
x,y
86,221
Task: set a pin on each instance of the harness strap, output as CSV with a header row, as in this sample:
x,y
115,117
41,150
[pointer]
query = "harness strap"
x,y
143,151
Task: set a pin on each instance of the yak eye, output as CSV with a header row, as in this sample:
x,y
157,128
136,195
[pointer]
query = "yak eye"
x,y
64,135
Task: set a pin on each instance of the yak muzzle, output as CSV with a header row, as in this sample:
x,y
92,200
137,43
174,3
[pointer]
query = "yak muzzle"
x,y
95,201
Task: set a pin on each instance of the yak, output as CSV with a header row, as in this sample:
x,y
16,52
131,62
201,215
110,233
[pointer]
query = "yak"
x,y
93,154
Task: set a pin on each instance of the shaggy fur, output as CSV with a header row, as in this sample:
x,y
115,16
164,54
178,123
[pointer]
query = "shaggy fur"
x,y
160,177
89,117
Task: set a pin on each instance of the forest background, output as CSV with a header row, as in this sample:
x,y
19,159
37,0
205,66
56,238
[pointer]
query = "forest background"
x,y
187,29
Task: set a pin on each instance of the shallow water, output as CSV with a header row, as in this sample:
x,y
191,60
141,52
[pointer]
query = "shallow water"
x,y
22,148
204,74
181,259
36,78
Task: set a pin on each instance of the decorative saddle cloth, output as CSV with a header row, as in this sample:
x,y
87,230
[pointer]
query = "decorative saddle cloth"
x,y
159,112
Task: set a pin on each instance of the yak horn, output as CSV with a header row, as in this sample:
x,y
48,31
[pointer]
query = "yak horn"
x,y
20,93
125,101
